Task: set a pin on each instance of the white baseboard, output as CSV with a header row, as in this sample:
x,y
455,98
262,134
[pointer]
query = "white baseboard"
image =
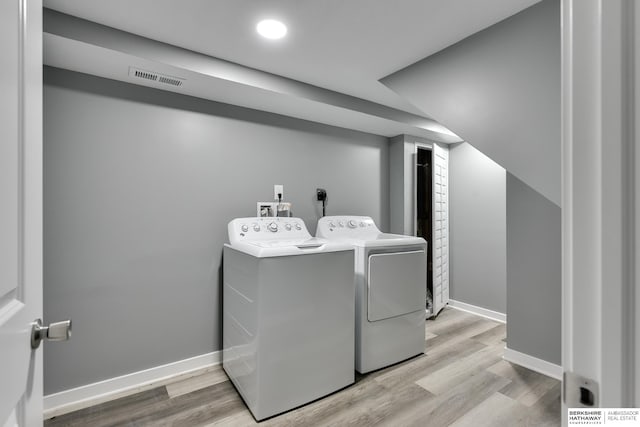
x,y
114,388
542,366
474,309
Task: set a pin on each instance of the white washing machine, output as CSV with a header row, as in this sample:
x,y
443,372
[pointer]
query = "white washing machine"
x,y
391,283
288,309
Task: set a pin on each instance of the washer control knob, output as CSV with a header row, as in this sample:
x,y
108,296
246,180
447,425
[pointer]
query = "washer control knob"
x,y
244,228
362,224
332,224
341,223
288,227
273,227
256,227
352,224
298,227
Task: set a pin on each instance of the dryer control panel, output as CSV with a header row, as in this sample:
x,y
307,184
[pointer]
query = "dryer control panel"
x,y
346,226
271,228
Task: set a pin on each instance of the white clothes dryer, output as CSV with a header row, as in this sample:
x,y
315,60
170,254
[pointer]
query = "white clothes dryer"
x,y
391,286
288,309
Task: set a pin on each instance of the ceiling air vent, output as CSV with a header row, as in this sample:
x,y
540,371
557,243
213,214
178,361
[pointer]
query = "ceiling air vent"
x,y
155,77
170,80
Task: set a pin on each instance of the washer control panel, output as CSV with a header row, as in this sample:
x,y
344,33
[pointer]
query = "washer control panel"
x,y
346,226
270,228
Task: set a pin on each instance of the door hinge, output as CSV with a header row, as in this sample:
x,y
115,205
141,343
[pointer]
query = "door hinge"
x,y
579,391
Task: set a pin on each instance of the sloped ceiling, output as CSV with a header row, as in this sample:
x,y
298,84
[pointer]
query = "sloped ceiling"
x,y
499,90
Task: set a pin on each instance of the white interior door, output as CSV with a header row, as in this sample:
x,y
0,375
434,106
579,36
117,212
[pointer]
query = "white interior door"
x,y
20,210
440,227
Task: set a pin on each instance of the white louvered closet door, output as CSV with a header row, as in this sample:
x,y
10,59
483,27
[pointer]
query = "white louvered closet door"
x,y
440,227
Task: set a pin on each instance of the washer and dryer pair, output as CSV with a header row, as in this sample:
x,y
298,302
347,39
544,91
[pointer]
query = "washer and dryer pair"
x,y
290,300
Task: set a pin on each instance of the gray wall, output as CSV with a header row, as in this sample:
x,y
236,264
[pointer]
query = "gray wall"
x,y
534,273
499,90
478,229
401,195
139,187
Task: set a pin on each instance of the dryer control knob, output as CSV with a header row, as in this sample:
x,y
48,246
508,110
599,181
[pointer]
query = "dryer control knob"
x,y
332,224
341,223
288,227
244,228
298,227
362,224
256,227
352,224
273,227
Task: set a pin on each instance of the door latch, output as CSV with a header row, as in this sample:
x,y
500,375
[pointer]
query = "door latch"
x,y
579,391
57,331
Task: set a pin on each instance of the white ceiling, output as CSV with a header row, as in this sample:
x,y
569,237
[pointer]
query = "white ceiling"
x,y
345,46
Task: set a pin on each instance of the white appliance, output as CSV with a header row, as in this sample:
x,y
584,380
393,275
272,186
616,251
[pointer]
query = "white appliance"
x,y
391,283
288,310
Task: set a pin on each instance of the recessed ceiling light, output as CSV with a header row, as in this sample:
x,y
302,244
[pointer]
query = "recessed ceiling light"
x,y
271,29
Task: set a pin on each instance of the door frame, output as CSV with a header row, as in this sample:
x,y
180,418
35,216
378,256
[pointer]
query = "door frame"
x,y
600,211
417,145
427,146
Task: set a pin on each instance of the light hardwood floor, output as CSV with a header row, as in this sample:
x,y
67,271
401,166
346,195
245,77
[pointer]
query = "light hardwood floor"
x,y
460,381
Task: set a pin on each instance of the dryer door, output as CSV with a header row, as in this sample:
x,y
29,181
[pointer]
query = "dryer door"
x,y
397,284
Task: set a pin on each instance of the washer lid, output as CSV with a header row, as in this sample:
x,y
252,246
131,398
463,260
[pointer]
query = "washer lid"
x,y
311,243
278,248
